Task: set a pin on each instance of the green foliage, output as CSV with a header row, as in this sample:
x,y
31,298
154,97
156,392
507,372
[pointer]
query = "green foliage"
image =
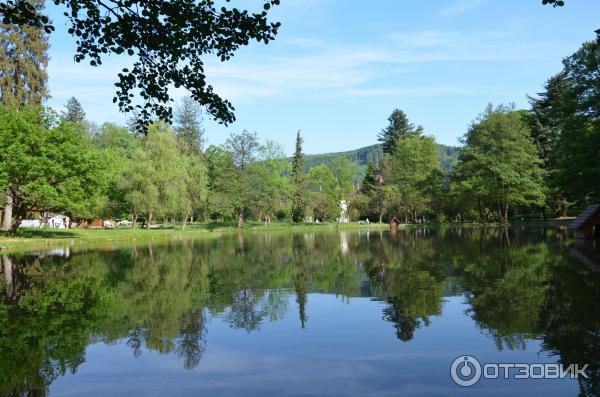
x,y
370,181
447,156
221,180
298,182
328,186
161,182
518,286
499,168
169,40
273,190
243,150
575,155
189,130
47,169
411,174
399,127
74,112
23,62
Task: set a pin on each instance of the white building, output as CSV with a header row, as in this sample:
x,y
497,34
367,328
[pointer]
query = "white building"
x,y
58,222
31,223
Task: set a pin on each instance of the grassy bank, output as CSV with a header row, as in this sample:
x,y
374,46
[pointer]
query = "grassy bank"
x,y
31,239
35,239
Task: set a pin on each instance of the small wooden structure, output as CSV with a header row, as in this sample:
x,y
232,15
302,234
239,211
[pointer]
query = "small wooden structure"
x,y
96,224
394,223
587,224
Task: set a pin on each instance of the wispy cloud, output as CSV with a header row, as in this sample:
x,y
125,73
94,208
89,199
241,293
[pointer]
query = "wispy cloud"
x,y
356,70
309,67
460,7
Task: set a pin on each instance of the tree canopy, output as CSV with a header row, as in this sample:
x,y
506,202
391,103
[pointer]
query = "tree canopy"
x,y
167,39
47,168
499,166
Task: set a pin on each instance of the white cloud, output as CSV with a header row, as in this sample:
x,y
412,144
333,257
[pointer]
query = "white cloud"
x,y
310,68
343,70
460,7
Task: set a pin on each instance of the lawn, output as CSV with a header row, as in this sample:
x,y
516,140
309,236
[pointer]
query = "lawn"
x,y
27,239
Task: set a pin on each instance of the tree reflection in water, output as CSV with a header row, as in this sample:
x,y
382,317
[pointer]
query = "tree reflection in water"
x,y
519,285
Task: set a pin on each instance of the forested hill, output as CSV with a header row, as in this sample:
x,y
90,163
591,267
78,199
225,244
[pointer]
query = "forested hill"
x,y
362,156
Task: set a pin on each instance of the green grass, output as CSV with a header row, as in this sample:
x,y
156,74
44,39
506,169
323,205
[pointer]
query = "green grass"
x,y
28,239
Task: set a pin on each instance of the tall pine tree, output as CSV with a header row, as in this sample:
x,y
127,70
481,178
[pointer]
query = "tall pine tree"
x,y
369,182
544,121
399,127
299,182
188,118
23,77
74,112
23,62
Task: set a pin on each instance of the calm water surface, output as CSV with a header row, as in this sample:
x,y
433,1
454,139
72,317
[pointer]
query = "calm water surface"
x,y
310,314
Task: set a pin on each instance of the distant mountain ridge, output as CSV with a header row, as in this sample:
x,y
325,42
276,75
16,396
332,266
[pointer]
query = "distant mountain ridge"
x,y
447,155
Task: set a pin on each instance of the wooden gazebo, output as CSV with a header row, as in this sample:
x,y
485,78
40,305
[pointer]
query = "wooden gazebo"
x,y
587,224
394,223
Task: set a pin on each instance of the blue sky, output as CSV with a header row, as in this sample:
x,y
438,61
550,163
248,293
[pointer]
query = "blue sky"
x,y
339,67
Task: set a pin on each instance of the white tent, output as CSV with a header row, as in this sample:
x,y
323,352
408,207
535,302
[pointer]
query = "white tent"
x,y
58,222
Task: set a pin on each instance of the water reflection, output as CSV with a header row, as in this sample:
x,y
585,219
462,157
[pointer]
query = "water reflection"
x,y
518,286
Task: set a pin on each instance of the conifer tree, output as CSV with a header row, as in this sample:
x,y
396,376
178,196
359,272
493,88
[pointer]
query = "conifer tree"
x,y
190,133
399,127
369,182
23,62
298,182
74,112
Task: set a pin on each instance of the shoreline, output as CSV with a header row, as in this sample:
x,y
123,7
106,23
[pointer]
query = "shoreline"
x,y
35,239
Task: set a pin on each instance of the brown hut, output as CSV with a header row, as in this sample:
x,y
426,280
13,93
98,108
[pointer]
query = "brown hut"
x,y
96,224
394,223
587,224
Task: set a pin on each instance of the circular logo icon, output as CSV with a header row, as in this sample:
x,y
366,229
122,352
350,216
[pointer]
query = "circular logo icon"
x,y
465,371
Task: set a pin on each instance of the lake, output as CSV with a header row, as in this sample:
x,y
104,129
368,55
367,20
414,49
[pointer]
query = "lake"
x,y
357,313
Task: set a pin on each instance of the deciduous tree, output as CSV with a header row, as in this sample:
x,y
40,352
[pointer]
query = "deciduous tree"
x,y
499,167
167,39
47,169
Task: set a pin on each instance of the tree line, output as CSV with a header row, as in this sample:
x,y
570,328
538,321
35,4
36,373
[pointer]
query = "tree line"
x,y
543,159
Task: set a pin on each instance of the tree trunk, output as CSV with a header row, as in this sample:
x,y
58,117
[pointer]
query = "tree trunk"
x,y
503,209
20,215
149,222
8,210
240,223
134,220
185,219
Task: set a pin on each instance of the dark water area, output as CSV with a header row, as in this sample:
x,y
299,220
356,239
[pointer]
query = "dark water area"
x,y
307,314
